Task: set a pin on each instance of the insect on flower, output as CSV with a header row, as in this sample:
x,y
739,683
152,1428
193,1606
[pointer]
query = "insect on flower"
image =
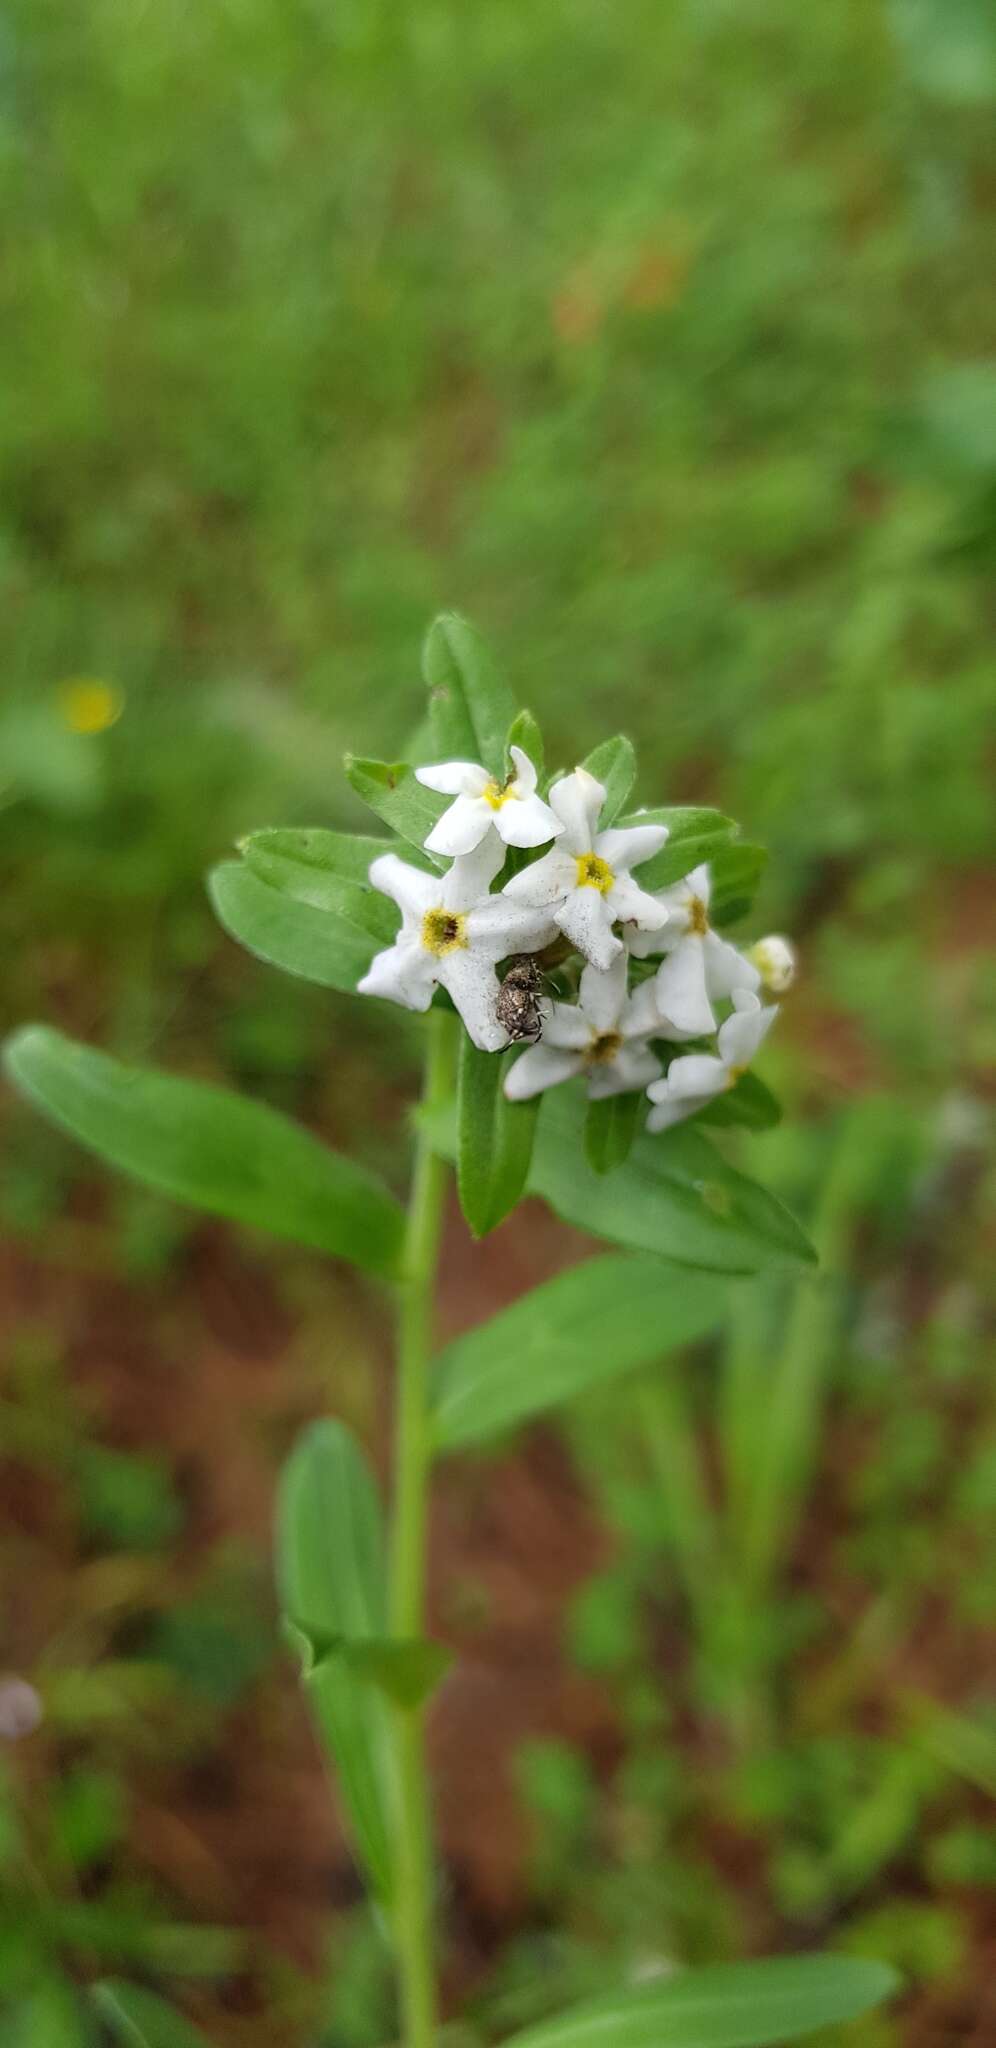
x,y
517,1006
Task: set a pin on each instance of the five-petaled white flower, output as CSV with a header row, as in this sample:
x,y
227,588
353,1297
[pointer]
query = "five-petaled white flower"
x,y
700,967
604,1036
519,816
695,1078
452,932
584,881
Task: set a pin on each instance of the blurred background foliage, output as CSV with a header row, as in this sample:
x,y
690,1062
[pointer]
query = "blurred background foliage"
x,y
655,338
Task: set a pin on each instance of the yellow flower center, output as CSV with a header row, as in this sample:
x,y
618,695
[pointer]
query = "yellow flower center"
x,y
698,920
594,873
497,794
603,1049
87,705
443,931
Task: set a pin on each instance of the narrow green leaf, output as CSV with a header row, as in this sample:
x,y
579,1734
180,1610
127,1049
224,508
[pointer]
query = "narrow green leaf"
x,y
332,1582
525,733
330,871
610,1126
495,1139
138,2019
589,1324
736,870
727,2005
675,1195
390,789
748,1103
470,705
406,1669
695,835
614,765
316,945
208,1147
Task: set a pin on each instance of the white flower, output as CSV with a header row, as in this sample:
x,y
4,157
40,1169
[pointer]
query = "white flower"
x,y
519,816
452,932
700,967
604,1035
696,1077
774,958
584,881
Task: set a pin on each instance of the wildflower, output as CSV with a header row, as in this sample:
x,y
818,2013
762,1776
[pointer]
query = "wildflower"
x,y
519,816
695,1078
774,959
584,881
604,1035
700,967
452,933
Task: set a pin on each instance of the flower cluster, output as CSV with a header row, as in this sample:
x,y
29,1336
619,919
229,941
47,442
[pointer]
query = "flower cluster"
x,y
577,902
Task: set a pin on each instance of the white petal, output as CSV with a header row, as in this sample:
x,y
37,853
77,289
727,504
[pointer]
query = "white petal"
x,y
695,1073
567,1027
468,881
403,973
526,821
545,881
539,1067
681,990
455,778
473,985
626,848
413,891
742,1033
640,1018
627,1074
525,774
586,920
699,884
674,1111
641,944
577,800
603,993
497,928
462,827
637,1066
727,970
633,905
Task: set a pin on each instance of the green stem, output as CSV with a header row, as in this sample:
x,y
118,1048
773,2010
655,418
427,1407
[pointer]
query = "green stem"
x,y
413,1919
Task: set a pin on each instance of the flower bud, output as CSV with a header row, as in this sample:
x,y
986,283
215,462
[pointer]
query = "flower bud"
x,y
774,959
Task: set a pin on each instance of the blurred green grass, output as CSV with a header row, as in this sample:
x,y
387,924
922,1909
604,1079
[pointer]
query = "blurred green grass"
x,y
656,340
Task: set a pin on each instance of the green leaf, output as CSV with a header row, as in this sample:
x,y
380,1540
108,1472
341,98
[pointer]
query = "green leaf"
x,y
695,835
330,871
727,2005
525,733
470,705
610,1126
332,1581
592,1323
211,1148
317,945
675,1195
138,2019
406,1669
614,765
494,1139
748,1103
390,789
736,871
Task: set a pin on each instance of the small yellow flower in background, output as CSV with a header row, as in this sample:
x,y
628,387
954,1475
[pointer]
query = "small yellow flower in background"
x,y
88,705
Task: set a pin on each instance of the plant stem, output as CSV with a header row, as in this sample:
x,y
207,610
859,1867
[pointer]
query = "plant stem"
x,y
413,1914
